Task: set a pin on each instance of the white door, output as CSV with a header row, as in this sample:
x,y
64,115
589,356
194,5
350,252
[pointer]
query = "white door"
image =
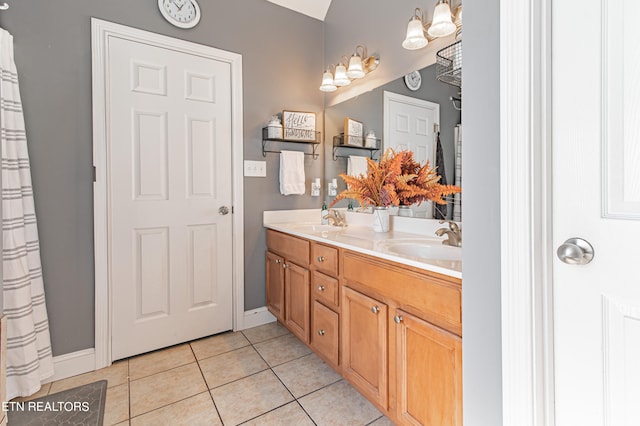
x,y
410,123
169,156
596,196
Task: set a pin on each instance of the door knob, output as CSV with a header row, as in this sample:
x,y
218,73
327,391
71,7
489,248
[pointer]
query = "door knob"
x,y
223,210
575,251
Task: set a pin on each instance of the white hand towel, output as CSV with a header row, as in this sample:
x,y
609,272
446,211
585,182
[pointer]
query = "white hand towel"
x,y
292,173
357,166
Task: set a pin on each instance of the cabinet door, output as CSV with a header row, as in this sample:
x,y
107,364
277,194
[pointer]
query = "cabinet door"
x,y
429,373
324,335
275,285
364,344
297,300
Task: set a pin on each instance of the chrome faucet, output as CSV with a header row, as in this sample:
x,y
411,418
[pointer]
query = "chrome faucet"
x,y
454,234
336,217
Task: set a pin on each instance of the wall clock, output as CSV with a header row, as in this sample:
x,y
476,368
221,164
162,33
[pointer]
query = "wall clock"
x,y
181,13
413,80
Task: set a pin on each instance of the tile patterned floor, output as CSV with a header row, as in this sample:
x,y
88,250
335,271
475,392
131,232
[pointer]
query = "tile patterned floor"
x,y
260,376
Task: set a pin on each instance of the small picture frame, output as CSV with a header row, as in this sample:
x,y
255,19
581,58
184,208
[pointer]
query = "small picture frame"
x,y
299,125
353,132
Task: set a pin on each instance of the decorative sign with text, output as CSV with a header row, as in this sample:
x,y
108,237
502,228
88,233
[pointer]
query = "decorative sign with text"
x,y
299,126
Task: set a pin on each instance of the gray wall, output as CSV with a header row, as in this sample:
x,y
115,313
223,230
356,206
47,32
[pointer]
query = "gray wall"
x,y
282,62
481,293
368,108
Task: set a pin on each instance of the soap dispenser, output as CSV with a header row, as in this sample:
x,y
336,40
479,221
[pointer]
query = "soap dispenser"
x,y
324,212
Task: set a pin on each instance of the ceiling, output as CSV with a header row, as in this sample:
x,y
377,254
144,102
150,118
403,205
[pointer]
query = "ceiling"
x,y
314,8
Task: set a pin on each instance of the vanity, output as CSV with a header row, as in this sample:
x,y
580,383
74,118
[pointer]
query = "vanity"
x,y
382,309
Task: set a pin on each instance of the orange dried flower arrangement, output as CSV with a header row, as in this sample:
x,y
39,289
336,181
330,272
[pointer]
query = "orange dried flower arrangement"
x,y
397,179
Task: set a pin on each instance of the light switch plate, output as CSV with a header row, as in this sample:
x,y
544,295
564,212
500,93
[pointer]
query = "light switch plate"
x,y
255,168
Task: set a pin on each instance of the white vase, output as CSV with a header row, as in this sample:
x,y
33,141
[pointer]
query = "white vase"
x,y
381,219
405,211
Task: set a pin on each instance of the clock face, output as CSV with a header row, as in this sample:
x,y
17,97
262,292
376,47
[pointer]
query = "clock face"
x,y
413,80
181,13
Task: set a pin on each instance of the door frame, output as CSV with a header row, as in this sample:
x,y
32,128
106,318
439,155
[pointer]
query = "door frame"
x,y
101,33
525,212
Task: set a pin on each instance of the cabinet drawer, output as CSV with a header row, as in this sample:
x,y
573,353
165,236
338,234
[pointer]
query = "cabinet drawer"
x,y
325,259
325,289
290,247
433,297
324,335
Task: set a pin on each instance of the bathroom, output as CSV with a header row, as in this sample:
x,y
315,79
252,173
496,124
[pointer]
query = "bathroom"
x,y
283,56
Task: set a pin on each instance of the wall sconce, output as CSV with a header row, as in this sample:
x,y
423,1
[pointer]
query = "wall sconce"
x,y
419,33
359,65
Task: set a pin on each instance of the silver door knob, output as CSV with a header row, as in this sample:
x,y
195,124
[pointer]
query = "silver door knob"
x,y
397,319
223,210
320,332
575,251
375,309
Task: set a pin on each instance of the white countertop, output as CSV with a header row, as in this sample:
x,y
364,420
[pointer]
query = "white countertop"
x,y
359,237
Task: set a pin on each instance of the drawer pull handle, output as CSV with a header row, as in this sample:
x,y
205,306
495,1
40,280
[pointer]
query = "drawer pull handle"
x,y
320,332
278,261
375,309
398,319
285,266
320,288
321,259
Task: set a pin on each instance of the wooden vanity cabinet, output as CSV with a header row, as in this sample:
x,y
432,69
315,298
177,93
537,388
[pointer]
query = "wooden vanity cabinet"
x,y
296,290
325,301
419,348
393,331
428,372
288,282
364,344
275,285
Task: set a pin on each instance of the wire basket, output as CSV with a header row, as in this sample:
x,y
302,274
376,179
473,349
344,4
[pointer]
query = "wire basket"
x,y
449,64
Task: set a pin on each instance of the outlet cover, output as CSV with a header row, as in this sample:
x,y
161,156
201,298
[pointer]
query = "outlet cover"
x,y
255,168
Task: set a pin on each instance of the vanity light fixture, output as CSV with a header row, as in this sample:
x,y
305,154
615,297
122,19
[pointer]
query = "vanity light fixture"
x,y
359,65
419,33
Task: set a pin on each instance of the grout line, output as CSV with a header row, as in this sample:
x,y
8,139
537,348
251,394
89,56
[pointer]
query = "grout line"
x,y
129,390
163,371
206,385
167,405
305,411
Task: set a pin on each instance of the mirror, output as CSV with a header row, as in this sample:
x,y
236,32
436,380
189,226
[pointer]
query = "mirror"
x,y
368,109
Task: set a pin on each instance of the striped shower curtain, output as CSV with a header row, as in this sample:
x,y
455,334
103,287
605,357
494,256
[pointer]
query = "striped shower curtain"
x,y
457,198
28,357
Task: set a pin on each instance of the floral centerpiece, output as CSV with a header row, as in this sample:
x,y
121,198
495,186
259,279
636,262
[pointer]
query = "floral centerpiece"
x,y
396,180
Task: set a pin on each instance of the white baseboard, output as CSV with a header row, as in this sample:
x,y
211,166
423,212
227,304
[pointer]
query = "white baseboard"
x,y
72,364
84,361
257,317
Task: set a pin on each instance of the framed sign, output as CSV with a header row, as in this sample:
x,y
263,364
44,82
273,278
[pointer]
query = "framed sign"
x,y
299,126
353,132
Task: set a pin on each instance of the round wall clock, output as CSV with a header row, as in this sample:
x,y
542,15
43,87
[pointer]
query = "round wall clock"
x,y
181,13
413,80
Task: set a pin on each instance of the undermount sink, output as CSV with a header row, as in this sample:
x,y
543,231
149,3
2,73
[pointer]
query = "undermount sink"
x,y
424,249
